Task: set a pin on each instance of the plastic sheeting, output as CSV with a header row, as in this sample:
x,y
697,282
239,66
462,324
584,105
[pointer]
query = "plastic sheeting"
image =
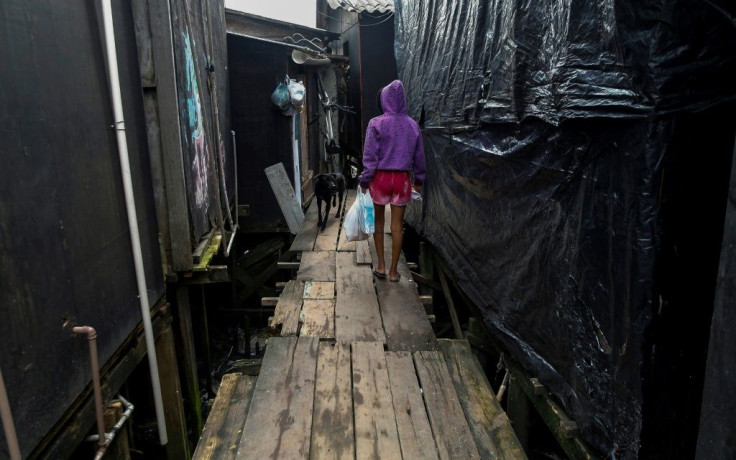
x,y
545,127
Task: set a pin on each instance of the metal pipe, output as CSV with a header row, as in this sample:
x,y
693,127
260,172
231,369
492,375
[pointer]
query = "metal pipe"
x,y
502,388
8,425
236,223
114,79
95,364
110,436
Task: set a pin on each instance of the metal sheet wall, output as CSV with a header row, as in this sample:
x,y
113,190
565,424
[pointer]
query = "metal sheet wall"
x,y
65,253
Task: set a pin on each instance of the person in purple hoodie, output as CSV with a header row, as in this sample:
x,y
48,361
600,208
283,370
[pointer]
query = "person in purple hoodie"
x,y
392,154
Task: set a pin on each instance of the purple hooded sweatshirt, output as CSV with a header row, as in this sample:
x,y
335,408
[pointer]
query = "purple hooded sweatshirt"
x,y
393,141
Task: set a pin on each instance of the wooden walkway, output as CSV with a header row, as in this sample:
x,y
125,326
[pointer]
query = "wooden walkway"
x,y
356,372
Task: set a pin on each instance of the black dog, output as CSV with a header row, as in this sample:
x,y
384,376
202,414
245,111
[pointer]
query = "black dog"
x,y
328,186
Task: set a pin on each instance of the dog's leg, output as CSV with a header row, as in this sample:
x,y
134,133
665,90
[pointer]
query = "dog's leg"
x,y
319,213
340,205
327,213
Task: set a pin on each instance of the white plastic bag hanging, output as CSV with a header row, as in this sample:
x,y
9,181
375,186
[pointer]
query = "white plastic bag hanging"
x,y
352,228
296,93
367,212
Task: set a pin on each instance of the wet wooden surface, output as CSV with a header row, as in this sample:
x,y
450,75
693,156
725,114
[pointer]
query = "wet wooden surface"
x,y
366,378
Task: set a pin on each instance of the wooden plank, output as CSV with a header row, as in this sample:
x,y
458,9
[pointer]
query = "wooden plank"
x,y
451,431
376,434
285,196
491,428
317,266
343,243
304,240
317,290
279,421
286,313
404,317
415,433
518,411
332,425
224,428
318,318
363,252
357,316
167,97
327,240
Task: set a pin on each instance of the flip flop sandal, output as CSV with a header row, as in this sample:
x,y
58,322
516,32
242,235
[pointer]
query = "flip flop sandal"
x,y
379,275
396,280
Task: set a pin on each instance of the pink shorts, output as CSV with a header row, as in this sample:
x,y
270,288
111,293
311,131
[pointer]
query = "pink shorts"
x,y
392,187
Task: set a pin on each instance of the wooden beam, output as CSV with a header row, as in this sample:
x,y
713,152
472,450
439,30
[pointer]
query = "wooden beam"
x,y
189,359
562,427
420,279
451,306
288,265
176,424
169,125
517,408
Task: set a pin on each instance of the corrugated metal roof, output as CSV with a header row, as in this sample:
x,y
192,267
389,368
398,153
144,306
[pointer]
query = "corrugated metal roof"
x,y
371,6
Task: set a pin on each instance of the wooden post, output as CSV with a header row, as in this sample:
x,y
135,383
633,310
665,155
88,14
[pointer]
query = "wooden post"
x,y
517,408
176,426
204,337
426,266
451,306
120,448
189,359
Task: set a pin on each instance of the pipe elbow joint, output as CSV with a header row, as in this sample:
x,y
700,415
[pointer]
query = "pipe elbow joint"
x,y
89,331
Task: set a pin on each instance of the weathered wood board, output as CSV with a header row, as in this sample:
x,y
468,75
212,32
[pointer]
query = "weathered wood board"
x,y
279,422
286,313
327,239
304,240
221,434
363,252
357,317
317,266
491,428
318,318
415,433
404,317
451,431
317,290
332,426
376,434
286,196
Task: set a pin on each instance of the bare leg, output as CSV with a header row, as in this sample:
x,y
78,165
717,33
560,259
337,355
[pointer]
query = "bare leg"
x,y
380,212
397,235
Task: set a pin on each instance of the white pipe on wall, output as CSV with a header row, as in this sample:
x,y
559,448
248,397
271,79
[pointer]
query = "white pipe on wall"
x,y
114,79
8,426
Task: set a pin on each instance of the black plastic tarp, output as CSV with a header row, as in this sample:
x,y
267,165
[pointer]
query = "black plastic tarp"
x,y
545,127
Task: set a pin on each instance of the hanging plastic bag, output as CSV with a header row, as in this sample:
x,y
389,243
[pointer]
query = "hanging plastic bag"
x,y
280,96
351,226
367,212
296,93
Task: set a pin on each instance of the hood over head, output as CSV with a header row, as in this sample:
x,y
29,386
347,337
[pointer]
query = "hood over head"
x,y
393,99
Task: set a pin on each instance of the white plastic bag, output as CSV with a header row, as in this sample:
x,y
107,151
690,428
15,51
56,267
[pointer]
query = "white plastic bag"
x,y
352,228
296,93
367,212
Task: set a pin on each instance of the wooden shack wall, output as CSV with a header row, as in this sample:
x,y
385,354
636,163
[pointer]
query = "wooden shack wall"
x,y
262,132
65,252
201,59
